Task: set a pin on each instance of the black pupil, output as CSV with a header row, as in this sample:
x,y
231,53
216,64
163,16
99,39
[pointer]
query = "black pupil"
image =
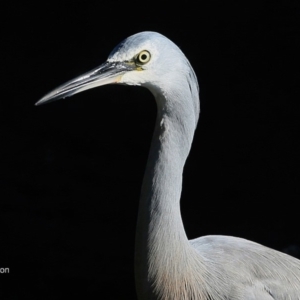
x,y
143,56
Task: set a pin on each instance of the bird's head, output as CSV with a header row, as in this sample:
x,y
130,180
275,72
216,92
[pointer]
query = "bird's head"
x,y
148,59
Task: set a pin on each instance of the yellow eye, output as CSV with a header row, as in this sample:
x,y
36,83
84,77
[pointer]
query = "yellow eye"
x,y
143,57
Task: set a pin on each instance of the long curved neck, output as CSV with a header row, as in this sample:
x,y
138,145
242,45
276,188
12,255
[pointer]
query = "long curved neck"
x,y
160,237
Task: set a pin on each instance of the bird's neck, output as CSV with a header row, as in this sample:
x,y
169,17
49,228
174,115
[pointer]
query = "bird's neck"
x,y
161,239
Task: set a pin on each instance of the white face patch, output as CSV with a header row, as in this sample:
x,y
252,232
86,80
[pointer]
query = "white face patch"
x,y
165,64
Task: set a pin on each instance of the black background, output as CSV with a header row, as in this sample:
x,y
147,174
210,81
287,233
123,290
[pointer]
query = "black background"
x,y
71,170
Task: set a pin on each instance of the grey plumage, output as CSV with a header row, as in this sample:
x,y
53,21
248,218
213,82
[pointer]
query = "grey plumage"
x,y
167,265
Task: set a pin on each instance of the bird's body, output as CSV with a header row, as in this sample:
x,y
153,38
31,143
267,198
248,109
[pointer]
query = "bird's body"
x,y
241,269
167,265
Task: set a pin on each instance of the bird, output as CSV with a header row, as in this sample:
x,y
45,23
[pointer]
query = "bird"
x,y
168,266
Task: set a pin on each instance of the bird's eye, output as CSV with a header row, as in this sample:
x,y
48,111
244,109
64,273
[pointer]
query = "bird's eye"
x,y
143,57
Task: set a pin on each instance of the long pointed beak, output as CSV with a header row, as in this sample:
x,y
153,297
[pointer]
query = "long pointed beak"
x,y
109,72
